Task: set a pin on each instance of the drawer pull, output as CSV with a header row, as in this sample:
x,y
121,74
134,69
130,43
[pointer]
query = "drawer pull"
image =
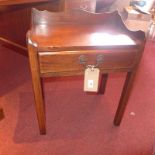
x,y
83,60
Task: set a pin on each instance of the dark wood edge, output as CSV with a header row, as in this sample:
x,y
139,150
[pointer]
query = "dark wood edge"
x,y
12,45
18,2
103,71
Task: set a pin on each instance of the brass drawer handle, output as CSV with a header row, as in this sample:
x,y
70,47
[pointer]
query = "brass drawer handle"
x,y
83,60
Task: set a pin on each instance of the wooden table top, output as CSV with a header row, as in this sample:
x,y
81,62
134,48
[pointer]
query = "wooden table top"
x,y
80,36
83,30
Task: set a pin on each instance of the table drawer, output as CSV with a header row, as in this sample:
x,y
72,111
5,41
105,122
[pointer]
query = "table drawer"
x,y
69,61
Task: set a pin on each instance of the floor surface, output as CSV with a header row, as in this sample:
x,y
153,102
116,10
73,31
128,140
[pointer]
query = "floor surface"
x,y
77,123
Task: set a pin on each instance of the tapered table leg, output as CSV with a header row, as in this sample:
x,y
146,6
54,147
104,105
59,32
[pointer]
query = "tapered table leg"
x,y
37,88
104,78
124,98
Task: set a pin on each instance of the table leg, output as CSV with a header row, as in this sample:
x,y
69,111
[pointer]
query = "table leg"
x,y
104,78
38,89
124,98
1,114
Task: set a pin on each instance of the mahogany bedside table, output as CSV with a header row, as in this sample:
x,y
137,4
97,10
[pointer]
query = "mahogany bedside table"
x,y
65,43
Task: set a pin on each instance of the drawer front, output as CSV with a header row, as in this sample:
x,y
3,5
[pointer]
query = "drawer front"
x,y
69,61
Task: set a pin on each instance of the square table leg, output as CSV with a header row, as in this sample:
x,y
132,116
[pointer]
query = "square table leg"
x,y
1,114
124,97
103,83
38,89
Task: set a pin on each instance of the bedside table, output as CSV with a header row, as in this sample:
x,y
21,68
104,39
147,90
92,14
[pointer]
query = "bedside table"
x,y
66,43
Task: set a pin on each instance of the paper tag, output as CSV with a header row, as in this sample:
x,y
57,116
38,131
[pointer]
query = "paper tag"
x,y
91,79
